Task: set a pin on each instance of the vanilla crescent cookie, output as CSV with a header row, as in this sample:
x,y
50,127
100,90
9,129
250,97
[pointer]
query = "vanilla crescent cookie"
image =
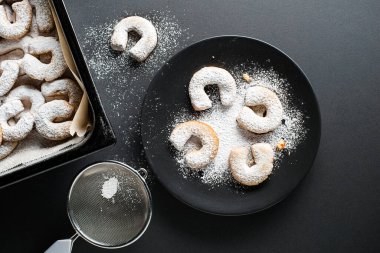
x,y
29,93
7,46
44,17
42,71
34,31
10,14
148,41
23,126
48,113
16,54
251,175
63,87
9,73
6,148
21,26
254,122
23,79
211,75
196,159
260,110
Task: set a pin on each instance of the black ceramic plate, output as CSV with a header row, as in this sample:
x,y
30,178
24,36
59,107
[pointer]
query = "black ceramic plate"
x,y
168,94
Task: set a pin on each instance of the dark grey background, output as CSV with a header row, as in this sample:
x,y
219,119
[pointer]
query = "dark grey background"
x,y
335,209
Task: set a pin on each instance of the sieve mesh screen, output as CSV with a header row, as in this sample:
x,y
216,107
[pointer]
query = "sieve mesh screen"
x,y
114,219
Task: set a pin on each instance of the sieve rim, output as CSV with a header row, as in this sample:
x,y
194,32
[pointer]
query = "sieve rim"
x,y
146,225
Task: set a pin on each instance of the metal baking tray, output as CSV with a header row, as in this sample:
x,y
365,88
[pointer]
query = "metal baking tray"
x,y
101,134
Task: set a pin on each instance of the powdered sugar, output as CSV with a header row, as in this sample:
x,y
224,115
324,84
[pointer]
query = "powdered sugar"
x,y
223,120
109,188
33,148
6,148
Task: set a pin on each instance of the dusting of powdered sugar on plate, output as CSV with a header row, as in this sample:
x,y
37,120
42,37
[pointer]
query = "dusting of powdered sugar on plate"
x,y
223,120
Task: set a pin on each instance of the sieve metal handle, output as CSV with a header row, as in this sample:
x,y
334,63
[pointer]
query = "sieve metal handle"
x,y
143,172
62,246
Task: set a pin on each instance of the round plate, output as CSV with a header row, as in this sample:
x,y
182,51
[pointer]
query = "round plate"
x,y
168,93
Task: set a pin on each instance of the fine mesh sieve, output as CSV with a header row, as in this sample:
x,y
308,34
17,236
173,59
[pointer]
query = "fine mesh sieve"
x,y
109,205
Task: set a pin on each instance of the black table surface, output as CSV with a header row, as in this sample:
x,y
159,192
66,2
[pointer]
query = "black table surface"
x,y
335,209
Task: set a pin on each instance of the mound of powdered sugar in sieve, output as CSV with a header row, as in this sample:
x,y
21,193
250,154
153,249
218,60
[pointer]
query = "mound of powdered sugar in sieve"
x,y
109,188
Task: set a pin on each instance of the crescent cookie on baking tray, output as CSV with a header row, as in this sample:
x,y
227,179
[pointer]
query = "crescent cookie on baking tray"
x,y
44,71
21,25
24,125
10,70
46,116
44,17
63,87
26,93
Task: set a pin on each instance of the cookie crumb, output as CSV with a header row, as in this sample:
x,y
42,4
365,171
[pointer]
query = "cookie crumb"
x,y
281,145
247,78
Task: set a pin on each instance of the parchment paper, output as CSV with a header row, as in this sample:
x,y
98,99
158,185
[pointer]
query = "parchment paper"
x,y
81,121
